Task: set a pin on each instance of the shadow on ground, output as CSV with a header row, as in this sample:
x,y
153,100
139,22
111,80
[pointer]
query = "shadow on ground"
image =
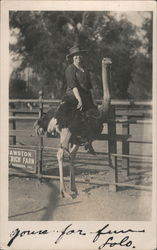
x,y
32,199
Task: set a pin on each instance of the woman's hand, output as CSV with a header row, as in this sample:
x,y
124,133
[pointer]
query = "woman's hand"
x,y
79,105
78,97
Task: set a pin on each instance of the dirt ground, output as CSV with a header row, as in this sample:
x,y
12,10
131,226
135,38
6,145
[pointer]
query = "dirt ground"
x,y
31,200
34,201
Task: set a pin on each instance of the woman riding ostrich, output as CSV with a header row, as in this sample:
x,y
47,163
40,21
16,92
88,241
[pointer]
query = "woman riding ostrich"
x,y
77,119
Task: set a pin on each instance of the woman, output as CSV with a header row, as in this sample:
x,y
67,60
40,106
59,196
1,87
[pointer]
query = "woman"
x,y
78,80
77,100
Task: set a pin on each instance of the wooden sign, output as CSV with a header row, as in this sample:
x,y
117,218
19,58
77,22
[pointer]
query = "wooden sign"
x,y
23,158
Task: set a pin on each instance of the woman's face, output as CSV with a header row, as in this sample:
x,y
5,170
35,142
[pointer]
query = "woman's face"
x,y
77,59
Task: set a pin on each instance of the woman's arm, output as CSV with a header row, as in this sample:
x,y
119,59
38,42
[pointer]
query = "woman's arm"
x,y
78,97
70,75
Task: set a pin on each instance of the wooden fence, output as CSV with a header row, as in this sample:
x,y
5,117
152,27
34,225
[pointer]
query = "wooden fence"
x,y
124,112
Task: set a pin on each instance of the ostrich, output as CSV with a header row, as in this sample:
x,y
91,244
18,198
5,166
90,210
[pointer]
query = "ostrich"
x,y
48,123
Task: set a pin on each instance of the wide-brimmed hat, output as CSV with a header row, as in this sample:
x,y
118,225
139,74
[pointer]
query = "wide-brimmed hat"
x,y
75,50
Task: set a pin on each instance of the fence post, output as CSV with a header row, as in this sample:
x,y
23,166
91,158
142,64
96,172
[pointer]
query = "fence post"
x,y
125,143
14,128
112,145
40,149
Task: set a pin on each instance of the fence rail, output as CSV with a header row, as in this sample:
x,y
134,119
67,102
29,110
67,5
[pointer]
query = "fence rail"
x,y
113,101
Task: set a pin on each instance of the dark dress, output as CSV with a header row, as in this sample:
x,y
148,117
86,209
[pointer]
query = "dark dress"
x,y
67,114
81,80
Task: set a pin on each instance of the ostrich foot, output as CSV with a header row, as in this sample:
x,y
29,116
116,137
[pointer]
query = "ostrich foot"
x,y
74,193
65,194
70,194
73,189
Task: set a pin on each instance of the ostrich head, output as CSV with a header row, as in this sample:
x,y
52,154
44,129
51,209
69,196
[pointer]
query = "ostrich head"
x,y
41,125
38,128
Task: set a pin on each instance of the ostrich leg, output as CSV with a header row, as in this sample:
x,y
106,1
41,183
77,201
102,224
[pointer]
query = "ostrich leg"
x,y
64,136
60,163
73,152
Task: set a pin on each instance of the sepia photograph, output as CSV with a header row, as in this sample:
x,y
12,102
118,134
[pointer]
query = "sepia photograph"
x,y
99,64
80,131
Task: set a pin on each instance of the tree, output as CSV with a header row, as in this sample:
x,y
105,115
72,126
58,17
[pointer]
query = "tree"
x,y
141,87
45,37
17,88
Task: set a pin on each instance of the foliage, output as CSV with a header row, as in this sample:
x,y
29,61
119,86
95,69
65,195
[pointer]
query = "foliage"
x,y
141,85
44,39
18,89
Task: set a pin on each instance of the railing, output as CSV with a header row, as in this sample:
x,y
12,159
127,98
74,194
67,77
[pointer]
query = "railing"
x,y
124,112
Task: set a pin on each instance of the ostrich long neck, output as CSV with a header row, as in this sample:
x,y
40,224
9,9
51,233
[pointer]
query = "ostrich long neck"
x,y
105,81
106,94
